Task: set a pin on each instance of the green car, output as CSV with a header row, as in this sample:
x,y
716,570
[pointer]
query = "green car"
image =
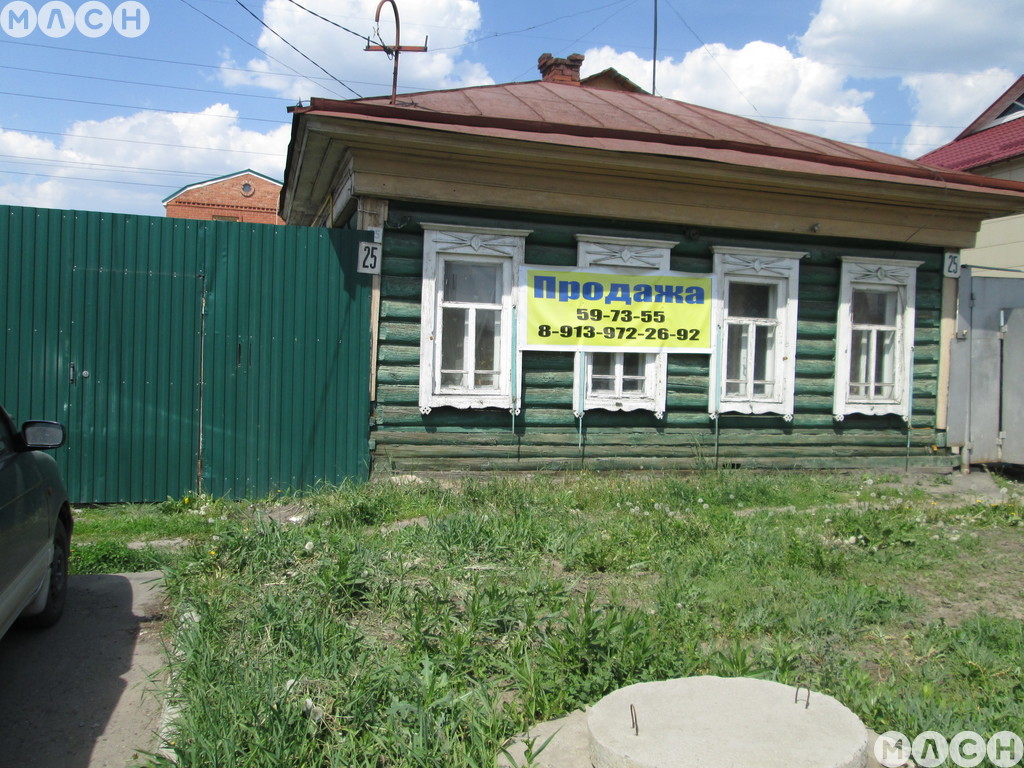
x,y
35,525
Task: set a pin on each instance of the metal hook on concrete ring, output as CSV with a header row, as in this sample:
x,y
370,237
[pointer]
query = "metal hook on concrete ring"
x,y
796,695
636,724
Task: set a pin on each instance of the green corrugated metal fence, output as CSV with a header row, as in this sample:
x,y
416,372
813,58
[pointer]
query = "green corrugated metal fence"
x,y
182,353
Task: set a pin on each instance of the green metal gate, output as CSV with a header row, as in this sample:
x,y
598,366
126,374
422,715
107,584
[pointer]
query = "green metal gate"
x,y
184,354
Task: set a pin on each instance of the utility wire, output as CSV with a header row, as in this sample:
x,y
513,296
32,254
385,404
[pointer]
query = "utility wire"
x,y
89,165
329,21
142,109
252,45
714,59
85,178
280,37
120,140
171,61
147,85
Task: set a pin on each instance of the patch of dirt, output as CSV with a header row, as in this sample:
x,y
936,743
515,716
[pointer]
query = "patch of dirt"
x,y
989,578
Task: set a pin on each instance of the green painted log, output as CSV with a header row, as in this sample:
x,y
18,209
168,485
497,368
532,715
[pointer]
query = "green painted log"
x,y
675,464
810,309
401,267
551,255
692,264
402,245
818,329
395,354
407,333
451,418
392,374
400,310
815,348
624,439
400,287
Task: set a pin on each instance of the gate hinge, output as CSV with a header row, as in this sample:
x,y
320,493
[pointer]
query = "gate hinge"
x,y
1001,438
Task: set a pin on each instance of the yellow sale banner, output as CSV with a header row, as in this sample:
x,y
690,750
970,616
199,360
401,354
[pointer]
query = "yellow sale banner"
x,y
605,310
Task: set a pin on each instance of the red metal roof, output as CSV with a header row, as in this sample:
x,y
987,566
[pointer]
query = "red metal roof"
x,y
993,145
576,115
984,142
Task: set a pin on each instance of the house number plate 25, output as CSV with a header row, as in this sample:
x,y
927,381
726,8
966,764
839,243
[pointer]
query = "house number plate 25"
x,y
369,258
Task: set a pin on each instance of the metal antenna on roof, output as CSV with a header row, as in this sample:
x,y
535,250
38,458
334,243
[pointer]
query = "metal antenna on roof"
x,y
393,50
654,68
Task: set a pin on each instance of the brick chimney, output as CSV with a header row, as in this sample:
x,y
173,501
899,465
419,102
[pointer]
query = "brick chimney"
x,y
566,71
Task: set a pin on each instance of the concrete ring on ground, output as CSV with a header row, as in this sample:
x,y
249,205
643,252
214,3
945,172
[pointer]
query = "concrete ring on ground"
x,y
715,722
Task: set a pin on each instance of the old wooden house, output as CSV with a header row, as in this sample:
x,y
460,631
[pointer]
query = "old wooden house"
x,y
575,273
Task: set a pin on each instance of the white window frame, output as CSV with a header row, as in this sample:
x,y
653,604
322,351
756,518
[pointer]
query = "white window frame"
x,y
900,277
756,266
651,398
482,245
638,256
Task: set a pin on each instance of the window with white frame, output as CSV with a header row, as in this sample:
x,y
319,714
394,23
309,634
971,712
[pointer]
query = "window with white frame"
x,y
621,381
467,358
754,363
875,337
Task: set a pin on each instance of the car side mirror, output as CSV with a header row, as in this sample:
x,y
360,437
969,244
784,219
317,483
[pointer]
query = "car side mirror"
x,y
43,435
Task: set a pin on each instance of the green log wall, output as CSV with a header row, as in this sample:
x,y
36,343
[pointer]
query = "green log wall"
x,y
547,436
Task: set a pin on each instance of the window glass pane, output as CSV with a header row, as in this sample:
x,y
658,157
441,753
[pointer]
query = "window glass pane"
x,y
602,372
885,364
633,363
488,340
736,358
453,347
634,373
751,300
764,360
476,283
874,307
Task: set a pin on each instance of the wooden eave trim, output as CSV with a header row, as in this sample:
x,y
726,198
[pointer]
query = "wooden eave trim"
x,y
437,120
471,150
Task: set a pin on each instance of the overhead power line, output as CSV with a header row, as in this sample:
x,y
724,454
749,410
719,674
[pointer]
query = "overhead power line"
x,y
282,39
89,165
85,178
293,73
120,140
232,32
329,21
141,109
147,85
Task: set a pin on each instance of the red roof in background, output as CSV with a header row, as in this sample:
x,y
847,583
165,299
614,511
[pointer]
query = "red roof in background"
x,y
995,144
575,115
983,143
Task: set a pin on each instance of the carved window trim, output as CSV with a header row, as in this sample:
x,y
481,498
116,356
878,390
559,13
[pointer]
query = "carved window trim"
x,y
757,266
484,245
899,276
639,256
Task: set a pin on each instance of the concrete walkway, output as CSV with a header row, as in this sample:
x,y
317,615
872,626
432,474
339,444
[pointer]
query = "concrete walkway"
x,y
80,694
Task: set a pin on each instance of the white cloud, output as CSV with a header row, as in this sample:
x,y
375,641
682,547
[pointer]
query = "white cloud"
x,y
761,79
953,58
114,172
945,104
451,24
883,37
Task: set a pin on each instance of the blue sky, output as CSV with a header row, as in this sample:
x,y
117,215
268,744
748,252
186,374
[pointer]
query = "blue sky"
x,y
117,123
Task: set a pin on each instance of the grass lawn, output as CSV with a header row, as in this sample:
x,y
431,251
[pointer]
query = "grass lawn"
x,y
423,624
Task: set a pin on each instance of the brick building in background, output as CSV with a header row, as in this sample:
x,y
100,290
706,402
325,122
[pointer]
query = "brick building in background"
x,y
245,196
